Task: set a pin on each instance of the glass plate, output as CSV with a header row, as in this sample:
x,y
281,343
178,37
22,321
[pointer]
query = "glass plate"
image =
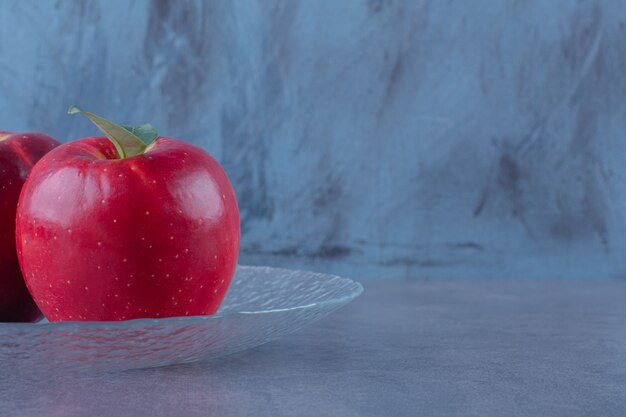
x,y
262,304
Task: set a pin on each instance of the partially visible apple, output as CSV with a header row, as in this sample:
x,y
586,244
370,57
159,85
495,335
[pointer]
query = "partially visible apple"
x,y
109,228
18,154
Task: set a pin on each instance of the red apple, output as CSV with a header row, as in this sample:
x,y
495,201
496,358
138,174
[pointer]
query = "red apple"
x,y
111,229
18,154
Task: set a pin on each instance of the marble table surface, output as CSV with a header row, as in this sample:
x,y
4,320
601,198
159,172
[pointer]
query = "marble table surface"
x,y
451,348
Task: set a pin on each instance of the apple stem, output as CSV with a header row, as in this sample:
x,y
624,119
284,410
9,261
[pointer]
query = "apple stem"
x,y
128,140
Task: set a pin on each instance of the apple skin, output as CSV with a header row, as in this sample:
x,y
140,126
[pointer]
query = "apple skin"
x,y
18,153
150,236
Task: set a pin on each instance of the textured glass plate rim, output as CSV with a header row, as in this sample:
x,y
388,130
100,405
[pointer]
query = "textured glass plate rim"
x,y
355,290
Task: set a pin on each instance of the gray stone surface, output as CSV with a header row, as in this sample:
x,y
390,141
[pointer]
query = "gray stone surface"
x,y
458,348
416,139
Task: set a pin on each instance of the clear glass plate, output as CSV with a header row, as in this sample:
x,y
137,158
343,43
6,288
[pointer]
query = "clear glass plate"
x,y
262,304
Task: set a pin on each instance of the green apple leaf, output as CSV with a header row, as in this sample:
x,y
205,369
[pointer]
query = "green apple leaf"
x,y
127,140
146,132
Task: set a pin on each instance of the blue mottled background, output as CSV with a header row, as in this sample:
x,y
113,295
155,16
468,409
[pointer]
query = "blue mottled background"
x,y
371,138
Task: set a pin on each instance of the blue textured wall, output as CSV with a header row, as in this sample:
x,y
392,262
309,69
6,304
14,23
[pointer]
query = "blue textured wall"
x,y
373,138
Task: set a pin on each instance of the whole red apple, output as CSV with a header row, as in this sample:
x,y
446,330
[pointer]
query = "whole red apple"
x,y
111,229
18,154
